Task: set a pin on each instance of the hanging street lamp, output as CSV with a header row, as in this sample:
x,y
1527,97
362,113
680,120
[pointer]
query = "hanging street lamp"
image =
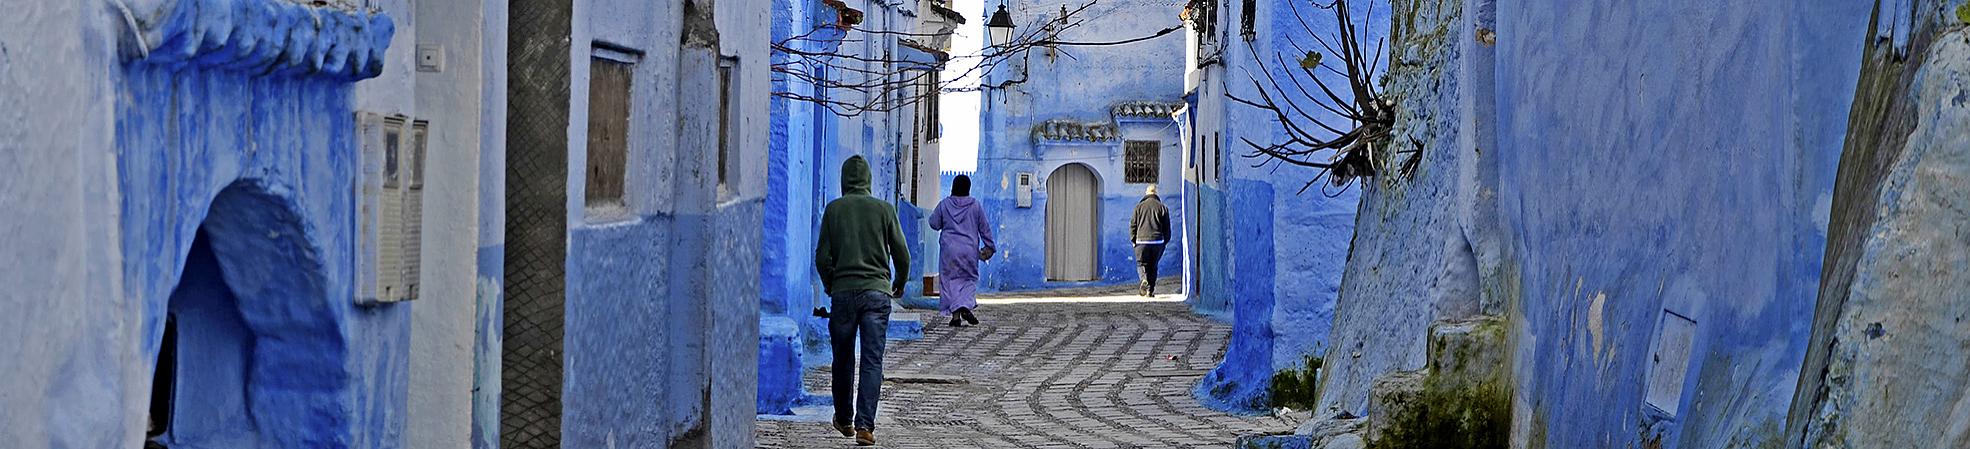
x,y
1000,26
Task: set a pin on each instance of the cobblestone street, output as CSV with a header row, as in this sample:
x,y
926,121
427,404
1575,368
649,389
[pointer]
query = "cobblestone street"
x,y
1044,372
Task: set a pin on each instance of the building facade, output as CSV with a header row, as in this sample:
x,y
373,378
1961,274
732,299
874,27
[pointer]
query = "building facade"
x,y
1071,136
243,246
633,197
1268,241
827,107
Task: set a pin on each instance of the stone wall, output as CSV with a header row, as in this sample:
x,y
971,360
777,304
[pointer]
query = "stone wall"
x,y
1577,180
1890,325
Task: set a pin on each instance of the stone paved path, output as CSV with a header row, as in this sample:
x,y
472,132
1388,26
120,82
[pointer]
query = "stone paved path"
x,y
1040,373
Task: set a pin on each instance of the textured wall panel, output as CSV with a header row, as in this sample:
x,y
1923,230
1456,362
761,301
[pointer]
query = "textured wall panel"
x,y
536,217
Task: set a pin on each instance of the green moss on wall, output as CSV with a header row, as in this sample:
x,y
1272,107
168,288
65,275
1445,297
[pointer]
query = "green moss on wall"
x,y
1473,417
1297,389
1963,13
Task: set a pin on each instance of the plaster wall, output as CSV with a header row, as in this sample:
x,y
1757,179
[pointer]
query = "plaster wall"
x,y
1413,261
789,288
656,272
75,332
1079,83
1890,313
226,126
1734,243
264,145
1272,246
455,98
488,287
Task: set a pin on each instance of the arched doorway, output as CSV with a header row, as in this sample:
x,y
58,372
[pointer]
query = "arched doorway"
x,y
1073,208
253,354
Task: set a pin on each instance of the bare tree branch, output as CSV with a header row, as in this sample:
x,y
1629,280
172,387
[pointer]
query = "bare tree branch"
x,y
1343,146
862,83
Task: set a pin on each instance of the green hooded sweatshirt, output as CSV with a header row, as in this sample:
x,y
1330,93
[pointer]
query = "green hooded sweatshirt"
x,y
860,238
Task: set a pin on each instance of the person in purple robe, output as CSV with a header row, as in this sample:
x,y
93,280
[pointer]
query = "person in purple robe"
x,y
965,238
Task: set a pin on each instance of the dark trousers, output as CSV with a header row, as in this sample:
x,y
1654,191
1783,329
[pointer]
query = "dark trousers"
x,y
865,313
1147,257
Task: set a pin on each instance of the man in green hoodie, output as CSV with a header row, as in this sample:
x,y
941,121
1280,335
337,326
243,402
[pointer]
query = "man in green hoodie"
x,y
860,240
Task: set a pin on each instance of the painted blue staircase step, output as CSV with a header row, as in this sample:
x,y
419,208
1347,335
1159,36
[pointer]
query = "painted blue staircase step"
x,y
906,326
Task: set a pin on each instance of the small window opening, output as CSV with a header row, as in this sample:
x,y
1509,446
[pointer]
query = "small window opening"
x,y
1247,21
1204,17
727,116
1142,161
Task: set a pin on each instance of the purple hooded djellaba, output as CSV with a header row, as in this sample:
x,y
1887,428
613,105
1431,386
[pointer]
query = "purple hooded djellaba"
x,y
963,231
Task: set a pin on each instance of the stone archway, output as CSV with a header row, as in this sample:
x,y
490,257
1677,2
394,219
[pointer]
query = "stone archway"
x,y
262,358
1073,209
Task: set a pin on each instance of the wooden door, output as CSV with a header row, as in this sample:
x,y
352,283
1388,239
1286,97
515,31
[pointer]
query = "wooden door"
x,y
1073,195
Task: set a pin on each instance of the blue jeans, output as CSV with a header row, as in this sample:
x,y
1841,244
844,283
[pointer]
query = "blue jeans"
x,y
867,313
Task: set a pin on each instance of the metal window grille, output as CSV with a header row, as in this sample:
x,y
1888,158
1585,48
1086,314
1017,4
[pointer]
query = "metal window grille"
x,y
1142,161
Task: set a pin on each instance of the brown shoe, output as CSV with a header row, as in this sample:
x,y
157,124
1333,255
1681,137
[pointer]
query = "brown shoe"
x,y
865,437
845,429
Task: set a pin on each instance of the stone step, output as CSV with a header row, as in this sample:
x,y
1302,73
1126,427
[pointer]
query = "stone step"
x,y
1466,380
906,326
1468,352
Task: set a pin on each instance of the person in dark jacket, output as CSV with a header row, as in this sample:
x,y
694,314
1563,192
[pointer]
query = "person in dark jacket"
x,y
860,241
1150,230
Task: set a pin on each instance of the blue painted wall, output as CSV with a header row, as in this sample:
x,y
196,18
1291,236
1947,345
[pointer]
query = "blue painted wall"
x,y
238,124
1722,221
807,144
1271,248
1575,179
1082,84
788,285
1414,260
488,299
661,309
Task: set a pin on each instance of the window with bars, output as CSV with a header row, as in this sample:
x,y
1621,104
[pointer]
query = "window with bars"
x,y
608,128
1204,19
1141,161
1247,20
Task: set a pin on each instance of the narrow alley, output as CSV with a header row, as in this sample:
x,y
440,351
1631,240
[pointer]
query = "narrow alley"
x,y
1055,369
644,224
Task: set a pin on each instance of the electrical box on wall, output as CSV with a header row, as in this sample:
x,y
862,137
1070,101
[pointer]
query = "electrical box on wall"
x,y
1669,362
390,215
1025,189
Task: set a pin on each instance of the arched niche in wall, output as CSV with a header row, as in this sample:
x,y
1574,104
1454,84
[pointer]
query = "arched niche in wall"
x,y
260,360
1072,231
